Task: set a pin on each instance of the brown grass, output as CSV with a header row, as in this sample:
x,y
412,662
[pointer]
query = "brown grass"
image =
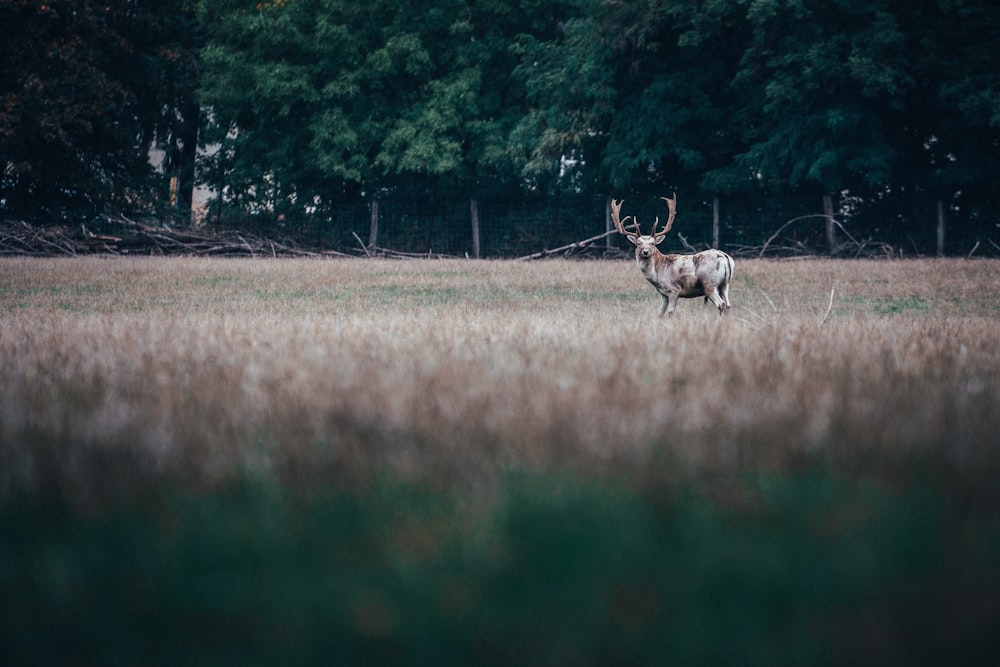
x,y
117,372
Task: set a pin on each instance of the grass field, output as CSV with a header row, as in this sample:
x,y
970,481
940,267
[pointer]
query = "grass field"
x,y
472,462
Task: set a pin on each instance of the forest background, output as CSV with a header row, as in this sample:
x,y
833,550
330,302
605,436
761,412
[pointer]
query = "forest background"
x,y
489,128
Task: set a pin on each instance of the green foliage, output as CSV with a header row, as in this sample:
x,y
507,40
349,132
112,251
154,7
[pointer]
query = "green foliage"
x,y
818,86
310,105
804,569
361,97
956,108
85,87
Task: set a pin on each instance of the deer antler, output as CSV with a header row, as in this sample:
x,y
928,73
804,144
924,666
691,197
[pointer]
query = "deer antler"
x,y
672,207
616,207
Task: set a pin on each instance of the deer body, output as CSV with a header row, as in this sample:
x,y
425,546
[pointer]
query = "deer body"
x,y
706,274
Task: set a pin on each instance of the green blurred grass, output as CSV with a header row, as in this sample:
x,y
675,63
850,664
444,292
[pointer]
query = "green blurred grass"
x,y
798,569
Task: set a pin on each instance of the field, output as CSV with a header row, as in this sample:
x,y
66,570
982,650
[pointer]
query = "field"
x,y
489,462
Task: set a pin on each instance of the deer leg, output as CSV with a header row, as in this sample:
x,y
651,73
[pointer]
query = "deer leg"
x,y
670,301
720,303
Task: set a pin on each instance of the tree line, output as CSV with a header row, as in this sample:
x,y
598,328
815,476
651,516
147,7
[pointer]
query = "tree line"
x,y
882,116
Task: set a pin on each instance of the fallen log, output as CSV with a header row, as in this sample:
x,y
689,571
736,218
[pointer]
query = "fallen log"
x,y
569,248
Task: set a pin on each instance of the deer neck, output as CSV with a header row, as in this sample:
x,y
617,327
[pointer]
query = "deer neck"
x,y
650,265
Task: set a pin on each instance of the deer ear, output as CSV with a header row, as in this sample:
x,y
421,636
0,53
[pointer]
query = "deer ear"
x,y
633,238
658,239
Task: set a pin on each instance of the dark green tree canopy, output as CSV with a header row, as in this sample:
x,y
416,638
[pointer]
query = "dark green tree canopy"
x,y
303,106
328,96
83,91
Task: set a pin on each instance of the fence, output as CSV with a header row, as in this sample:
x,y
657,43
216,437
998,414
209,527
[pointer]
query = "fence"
x,y
508,228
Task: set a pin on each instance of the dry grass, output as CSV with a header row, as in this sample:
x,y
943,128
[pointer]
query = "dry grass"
x,y
115,372
430,462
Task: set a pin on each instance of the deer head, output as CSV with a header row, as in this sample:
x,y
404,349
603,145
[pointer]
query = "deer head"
x,y
645,246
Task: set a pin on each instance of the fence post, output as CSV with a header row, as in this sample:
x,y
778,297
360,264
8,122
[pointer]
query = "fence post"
x,y
940,228
831,237
373,230
474,214
715,221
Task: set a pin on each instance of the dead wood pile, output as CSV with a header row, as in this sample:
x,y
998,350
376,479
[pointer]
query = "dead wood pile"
x,y
136,238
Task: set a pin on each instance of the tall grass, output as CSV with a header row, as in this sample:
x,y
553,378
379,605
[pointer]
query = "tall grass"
x,y
523,463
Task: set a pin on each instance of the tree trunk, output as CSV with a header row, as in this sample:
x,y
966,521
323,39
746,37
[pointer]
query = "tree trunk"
x,y
221,188
187,154
373,230
474,214
715,222
831,236
940,228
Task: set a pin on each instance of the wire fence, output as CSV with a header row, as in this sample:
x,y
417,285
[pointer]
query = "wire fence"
x,y
788,225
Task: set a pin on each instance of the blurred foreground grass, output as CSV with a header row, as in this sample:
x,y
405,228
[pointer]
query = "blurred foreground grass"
x,y
495,463
555,570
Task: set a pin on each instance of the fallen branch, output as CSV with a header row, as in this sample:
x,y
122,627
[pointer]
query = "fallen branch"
x,y
828,308
773,307
684,242
805,217
376,251
783,227
586,243
361,243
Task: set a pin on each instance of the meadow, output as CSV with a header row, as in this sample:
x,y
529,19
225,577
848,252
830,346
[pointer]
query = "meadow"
x,y
496,462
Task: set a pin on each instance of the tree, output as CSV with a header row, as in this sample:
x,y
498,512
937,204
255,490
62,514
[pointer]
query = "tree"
x,y
640,97
171,38
946,131
815,80
679,126
78,103
672,121
320,101
362,98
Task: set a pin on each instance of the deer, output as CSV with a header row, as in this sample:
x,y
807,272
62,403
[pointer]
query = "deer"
x,y
707,273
